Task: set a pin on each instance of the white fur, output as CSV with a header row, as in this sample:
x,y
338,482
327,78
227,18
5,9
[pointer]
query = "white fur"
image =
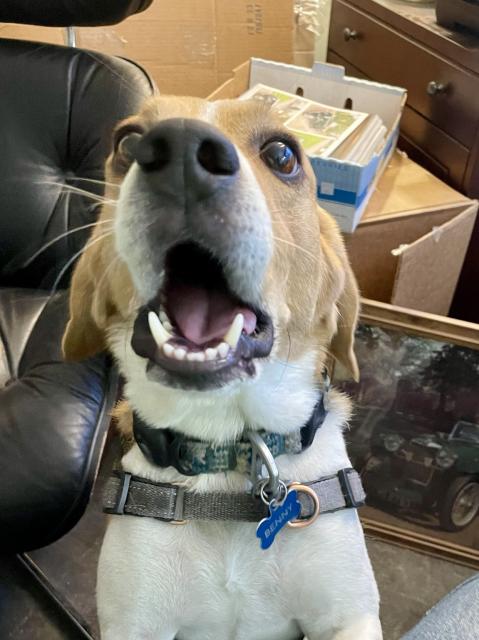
x,y
211,581
279,398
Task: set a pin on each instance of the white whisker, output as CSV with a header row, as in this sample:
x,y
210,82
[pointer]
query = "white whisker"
x,y
62,235
293,244
68,188
108,184
74,257
112,263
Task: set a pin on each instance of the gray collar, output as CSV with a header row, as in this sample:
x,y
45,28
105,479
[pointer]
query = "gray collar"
x,y
125,494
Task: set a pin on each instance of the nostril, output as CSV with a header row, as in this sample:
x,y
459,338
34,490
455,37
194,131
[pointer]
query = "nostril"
x,y
218,157
153,155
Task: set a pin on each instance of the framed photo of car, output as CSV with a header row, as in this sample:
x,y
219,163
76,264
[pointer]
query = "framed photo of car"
x,y
414,434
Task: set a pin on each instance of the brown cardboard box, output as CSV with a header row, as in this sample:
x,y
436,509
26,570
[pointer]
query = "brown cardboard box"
x,y
409,247
306,28
188,46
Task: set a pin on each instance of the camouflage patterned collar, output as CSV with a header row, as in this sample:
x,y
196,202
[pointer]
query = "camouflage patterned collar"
x,y
168,448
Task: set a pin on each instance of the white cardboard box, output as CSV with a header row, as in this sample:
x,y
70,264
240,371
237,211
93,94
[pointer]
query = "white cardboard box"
x,y
344,188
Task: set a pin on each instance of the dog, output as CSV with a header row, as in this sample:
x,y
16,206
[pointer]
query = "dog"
x,y
221,288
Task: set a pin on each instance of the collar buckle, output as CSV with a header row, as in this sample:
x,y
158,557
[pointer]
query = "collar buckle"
x,y
162,447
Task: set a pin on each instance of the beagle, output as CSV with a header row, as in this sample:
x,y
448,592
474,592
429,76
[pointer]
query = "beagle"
x,y
220,287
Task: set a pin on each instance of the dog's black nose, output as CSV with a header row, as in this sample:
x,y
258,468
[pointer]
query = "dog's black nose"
x,y
186,158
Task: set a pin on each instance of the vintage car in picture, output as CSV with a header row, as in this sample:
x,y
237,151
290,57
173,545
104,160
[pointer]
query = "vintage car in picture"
x,y
423,471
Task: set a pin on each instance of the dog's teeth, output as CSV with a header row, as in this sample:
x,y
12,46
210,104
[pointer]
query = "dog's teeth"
x,y
168,326
223,349
233,334
180,354
196,356
163,317
157,330
168,349
211,354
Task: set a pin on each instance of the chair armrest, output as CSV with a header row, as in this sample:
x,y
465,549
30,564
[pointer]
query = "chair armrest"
x,y
54,417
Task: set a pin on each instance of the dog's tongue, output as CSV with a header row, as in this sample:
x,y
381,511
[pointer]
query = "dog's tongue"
x,y
203,315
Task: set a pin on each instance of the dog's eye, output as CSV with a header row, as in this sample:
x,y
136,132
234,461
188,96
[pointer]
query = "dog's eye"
x,y
279,157
127,143
126,137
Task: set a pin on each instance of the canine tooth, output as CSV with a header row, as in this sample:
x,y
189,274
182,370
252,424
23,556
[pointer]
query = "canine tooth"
x,y
223,349
168,326
158,331
168,349
233,334
180,354
163,317
211,354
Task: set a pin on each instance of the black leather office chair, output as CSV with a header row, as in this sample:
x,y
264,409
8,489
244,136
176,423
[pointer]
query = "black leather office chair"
x,y
58,106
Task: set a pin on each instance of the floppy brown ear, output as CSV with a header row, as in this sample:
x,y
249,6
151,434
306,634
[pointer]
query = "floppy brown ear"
x,y
84,335
342,344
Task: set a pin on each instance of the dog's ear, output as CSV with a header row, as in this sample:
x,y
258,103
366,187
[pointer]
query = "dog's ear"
x,y
342,344
85,332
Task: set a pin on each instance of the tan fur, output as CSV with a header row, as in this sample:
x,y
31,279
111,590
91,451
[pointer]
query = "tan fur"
x,y
309,284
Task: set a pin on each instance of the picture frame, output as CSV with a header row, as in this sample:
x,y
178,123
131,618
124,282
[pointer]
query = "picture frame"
x,y
414,433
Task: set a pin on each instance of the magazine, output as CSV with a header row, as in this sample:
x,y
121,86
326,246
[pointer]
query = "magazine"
x,y
322,129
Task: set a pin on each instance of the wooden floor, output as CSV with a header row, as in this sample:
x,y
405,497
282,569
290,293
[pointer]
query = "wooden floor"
x,y
409,583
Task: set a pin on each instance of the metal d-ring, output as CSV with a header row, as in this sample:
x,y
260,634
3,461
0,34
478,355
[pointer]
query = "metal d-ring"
x,y
299,524
261,455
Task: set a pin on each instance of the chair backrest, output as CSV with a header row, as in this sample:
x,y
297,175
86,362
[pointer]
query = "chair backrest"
x,y
58,106
69,13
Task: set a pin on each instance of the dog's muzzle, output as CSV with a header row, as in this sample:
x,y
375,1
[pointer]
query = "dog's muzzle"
x,y
199,258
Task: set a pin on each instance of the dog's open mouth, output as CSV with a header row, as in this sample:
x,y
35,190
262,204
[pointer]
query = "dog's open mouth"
x,y
196,324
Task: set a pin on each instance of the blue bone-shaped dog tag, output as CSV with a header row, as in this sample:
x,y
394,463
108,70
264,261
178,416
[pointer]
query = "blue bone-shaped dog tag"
x,y
288,510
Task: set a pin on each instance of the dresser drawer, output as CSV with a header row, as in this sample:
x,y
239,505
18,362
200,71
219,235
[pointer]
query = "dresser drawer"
x,y
422,140
388,57
433,149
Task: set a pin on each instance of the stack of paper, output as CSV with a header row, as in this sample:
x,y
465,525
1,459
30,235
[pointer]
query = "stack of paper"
x,y
325,131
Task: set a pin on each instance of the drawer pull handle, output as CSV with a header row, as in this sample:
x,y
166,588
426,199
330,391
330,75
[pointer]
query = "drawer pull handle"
x,y
434,89
350,34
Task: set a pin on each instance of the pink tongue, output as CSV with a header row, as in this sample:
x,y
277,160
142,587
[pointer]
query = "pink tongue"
x,y
203,315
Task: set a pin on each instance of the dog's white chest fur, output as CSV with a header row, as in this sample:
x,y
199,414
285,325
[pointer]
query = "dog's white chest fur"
x,y
212,581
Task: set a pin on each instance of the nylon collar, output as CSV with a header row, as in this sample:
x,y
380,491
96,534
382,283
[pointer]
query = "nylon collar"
x,y
191,457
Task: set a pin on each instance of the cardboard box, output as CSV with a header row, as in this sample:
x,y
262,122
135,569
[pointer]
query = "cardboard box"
x,y
189,47
305,32
410,246
344,188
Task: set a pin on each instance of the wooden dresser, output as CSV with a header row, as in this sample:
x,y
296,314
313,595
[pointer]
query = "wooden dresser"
x,y
400,43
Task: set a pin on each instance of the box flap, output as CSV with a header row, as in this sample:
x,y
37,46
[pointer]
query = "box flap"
x,y
370,247
327,84
428,269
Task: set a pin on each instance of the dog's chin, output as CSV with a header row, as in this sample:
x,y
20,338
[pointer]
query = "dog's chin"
x,y
196,333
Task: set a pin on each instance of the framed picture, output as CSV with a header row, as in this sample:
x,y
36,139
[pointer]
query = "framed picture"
x,y
414,434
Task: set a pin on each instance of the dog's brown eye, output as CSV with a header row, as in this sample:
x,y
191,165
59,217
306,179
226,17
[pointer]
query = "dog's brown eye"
x,y
127,143
279,157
